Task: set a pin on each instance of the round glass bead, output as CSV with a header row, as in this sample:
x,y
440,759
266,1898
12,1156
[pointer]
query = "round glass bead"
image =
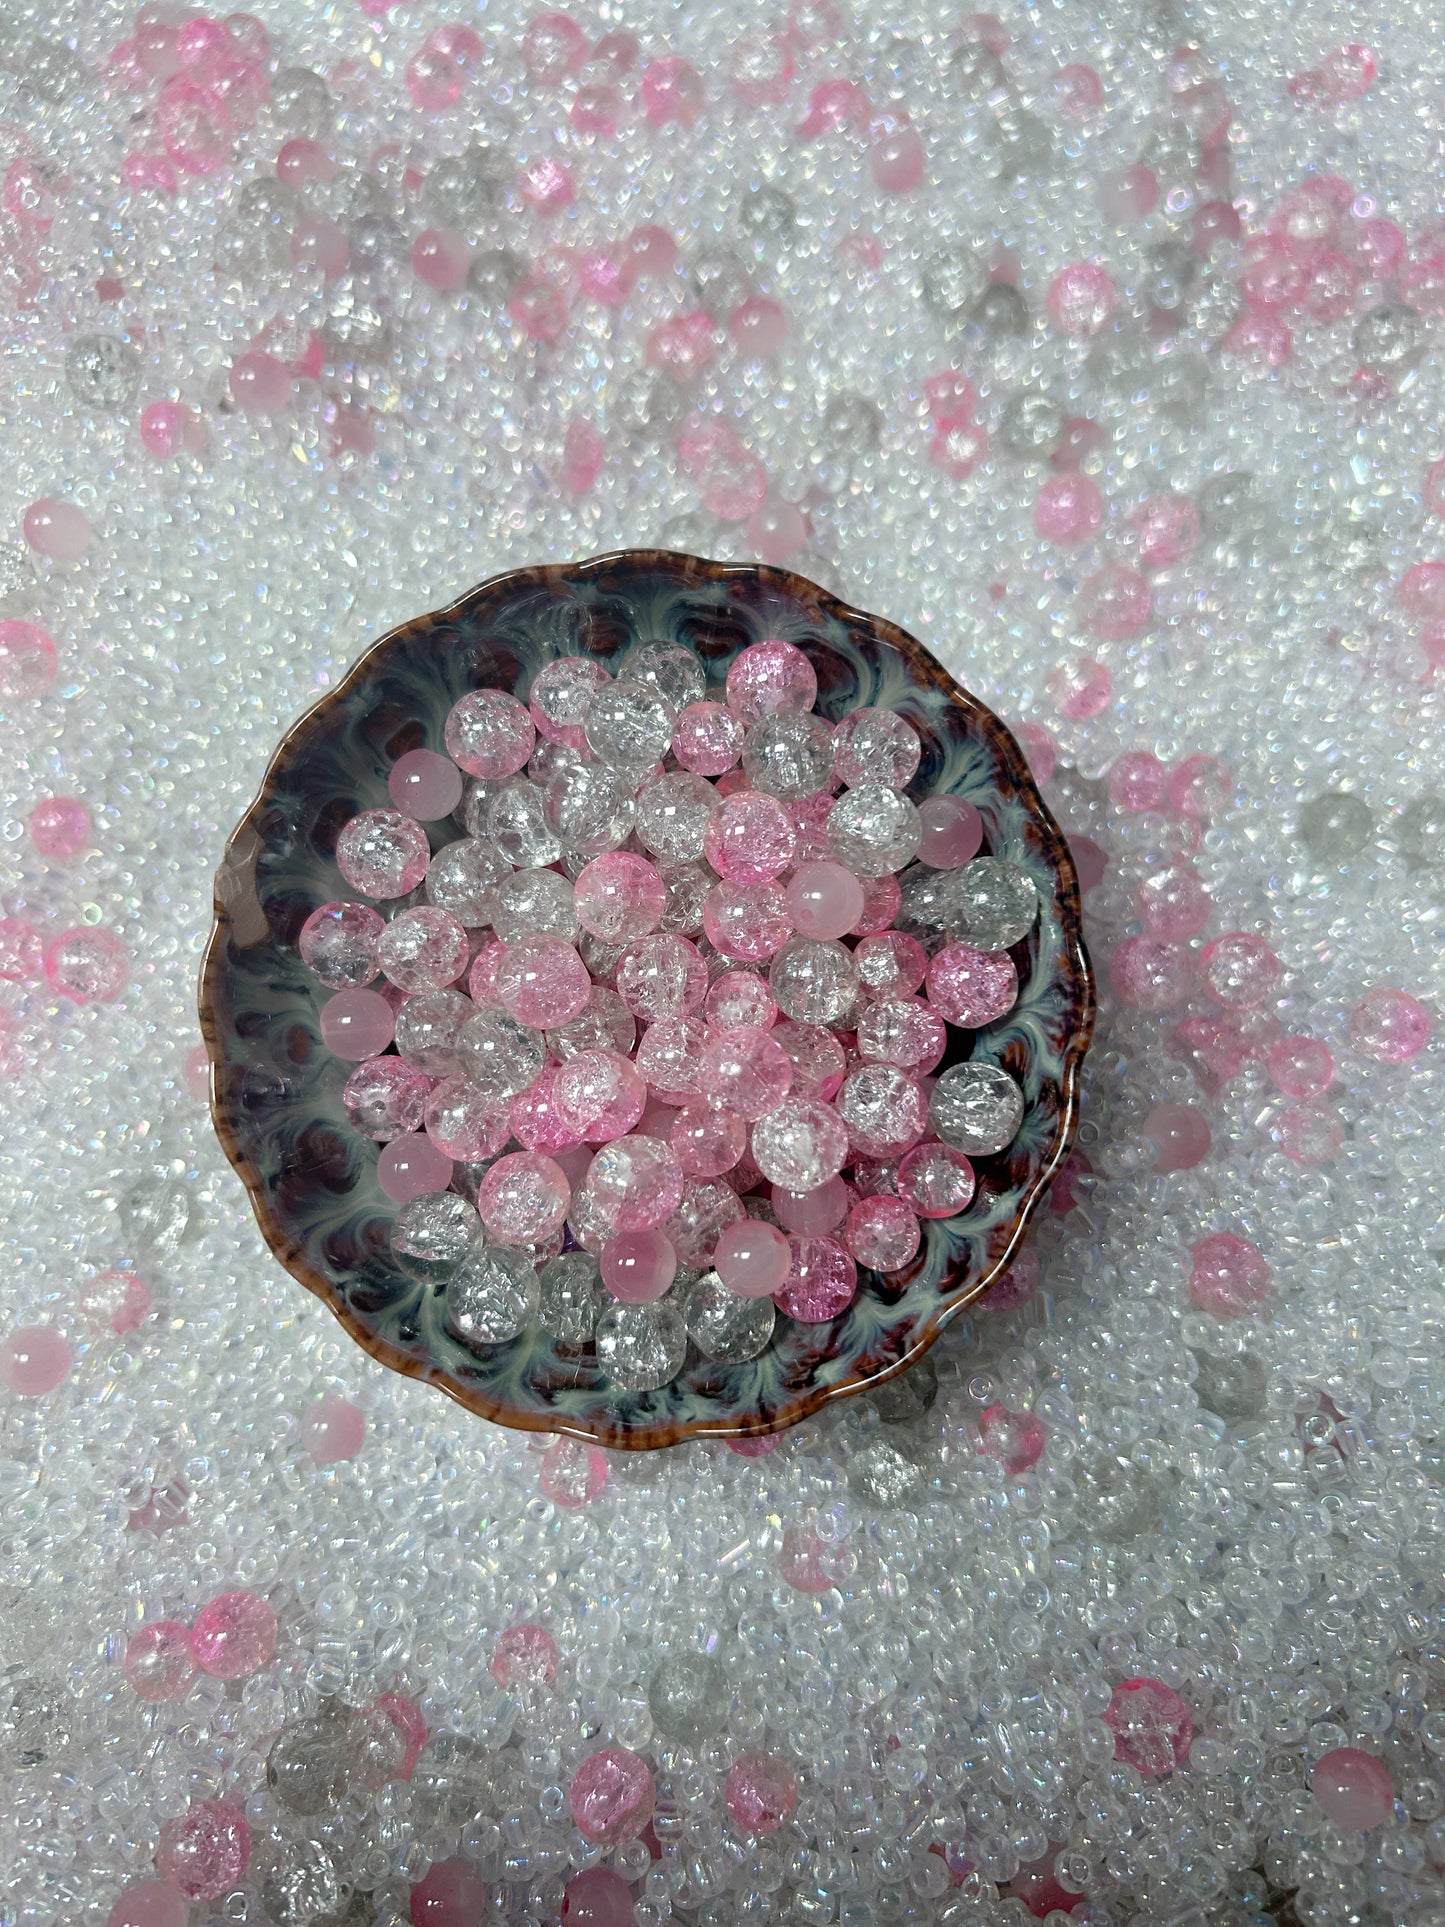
x,y
801,1144
492,1295
605,1024
384,1097
431,1234
234,1636
875,746
619,897
708,1142
424,785
992,903
707,738
462,1123
542,982
902,1031
753,1258
514,822
936,1180
357,1024
628,726
102,371
641,1347
749,838
708,1207
599,1095
813,981
873,831
382,853
976,1108
411,1164
818,1062
672,815
560,694
810,1213
821,1283
570,1297
638,1267
160,1663
687,886
460,879
1336,825
890,964
689,1698
824,899
788,755
882,1233
338,944
770,676
489,733
1389,1026
1229,1275
1239,970
724,1325
1420,828
1152,1726
748,922
590,806
970,987
669,1057
528,903
885,1111
1353,1788
423,949
1233,1387
498,1055
661,977
746,1071
669,670
950,832
523,1199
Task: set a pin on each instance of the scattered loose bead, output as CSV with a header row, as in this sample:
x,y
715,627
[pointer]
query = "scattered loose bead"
x,y
159,1662
34,1360
1152,1727
60,827
1389,1026
611,1796
1230,1277
60,530
333,1430
234,1636
1015,1439
1353,1788
117,1301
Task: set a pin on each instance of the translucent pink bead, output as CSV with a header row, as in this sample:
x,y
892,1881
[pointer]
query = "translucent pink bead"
x,y
117,1301
573,1474
489,733
777,529
1130,195
412,1165
1015,1439
260,384
1180,1136
753,1258
524,1198
1390,1026
895,156
936,1180
149,1903
597,1897
1152,1727
707,738
451,1893
440,257
89,966
746,1071
767,677
537,1123
1420,592
1167,530
671,91
60,827
425,785
708,1142
159,1662
1300,1067
619,897
682,349
818,1062
599,1095
1080,299
525,1655
951,832
382,853
740,999
1014,1287
1239,970
810,1214
611,1797
333,1429
462,1124
34,1360
553,47
1150,975
1068,509
356,1024
1229,1276
1114,603
436,72
1353,1788
635,1183
1137,782
58,529
882,1233
1173,904
22,951
423,949
234,1636
824,899
542,982
207,1852
638,1266
760,1792
27,660
1081,688
1199,786
749,838
1433,491
970,987
821,1283
748,922
1308,1133
808,1564
384,1097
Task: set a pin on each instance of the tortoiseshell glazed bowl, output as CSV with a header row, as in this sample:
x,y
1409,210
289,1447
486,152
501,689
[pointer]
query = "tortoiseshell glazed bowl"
x,y
276,1090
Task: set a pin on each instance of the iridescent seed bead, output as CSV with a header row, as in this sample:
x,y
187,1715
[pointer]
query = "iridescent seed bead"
x,y
628,727
813,980
590,807
723,1325
498,1056
427,1029
432,1234
570,1298
516,825
994,903
534,903
669,670
788,754
460,878
338,944
875,746
641,1347
489,733
102,371
492,1296
873,830
382,853
977,1108
560,693
952,280
673,814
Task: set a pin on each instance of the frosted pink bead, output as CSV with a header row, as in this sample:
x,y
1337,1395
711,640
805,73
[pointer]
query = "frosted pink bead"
x,y
753,1258
776,530
1199,786
812,1213
952,832
895,157
300,161
260,384
524,1198
234,1636
1114,603
546,185
159,1663
1180,1136
746,921
749,838
1149,974
436,72
1077,91
1068,509
824,899
149,1903
58,529
1015,1439
1152,1727
1130,195
542,982
357,1024
524,1655
635,1183
1353,1788
882,1233
1260,338
1167,529
489,733
1239,970
746,1071
1137,781
1390,1026
671,91
970,987
760,1792
707,738
599,109
1300,1067
936,1180
597,1897
619,897
207,1852
573,1474
320,244
451,1893
769,676
34,1360
584,456
611,1797
411,1165
1173,904
759,327
1229,1276
89,966
821,1283
116,1300
333,1428
740,999
1081,688
599,1095
22,951
1080,299
651,250
638,1266
27,660
424,785
708,1142
60,827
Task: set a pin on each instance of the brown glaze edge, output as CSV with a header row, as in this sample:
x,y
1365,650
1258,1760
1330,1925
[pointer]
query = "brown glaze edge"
x,y
656,1437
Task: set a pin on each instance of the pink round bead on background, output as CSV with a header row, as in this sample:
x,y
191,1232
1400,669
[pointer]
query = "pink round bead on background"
x,y
1114,604
1300,1067
1081,688
234,1636
1015,1439
740,999
811,1213
619,897
1152,1727
1080,299
1138,781
1150,975
770,676
1180,1135
332,1429
451,1893
424,785
821,1282
1390,1026
1167,530
1308,1133
971,987
116,1301
27,660
746,1071
260,384
707,1142
207,1852
60,827
638,1266
412,1165
1068,509
88,966
573,1474
440,257
1239,970
1173,904
597,1897
542,982
611,1796
524,1655
1353,1788
34,1360
1230,1276
761,1793
159,1661
60,530
149,1903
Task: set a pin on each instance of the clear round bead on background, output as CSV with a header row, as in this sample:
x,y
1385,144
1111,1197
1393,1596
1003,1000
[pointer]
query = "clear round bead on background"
x,y
788,754
670,670
876,746
993,903
492,1295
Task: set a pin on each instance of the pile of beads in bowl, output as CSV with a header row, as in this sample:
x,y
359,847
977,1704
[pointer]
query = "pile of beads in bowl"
x,y
674,1037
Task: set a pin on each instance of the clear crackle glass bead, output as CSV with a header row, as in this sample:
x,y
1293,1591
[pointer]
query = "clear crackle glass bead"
x,y
723,1324
814,980
628,726
672,816
875,746
430,1235
155,1215
977,1108
571,1296
492,1295
992,903
590,807
460,878
499,1056
1232,1387
641,1347
534,903
427,1029
669,670
801,1144
102,371
1335,825
788,754
873,831
883,1476
515,822
307,1768
689,1698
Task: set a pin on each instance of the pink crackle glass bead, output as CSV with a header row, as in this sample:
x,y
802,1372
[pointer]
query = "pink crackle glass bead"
x,y
357,1024
749,838
739,999
1239,970
34,1360
553,47
1300,1067
489,733
116,1301
1081,688
638,1266
1068,509
1173,904
1390,1026
1138,781
746,1071
60,827
660,977
753,1258
1114,603
1229,1276
770,676
707,738
451,1893
970,987
573,1474
881,899
89,966
405,1716
1015,1439
599,1095
423,949
537,1124
149,1903
542,982
619,897
546,185
597,1897
635,1183
1152,1727
207,1852
611,1797
1013,1287
27,660
821,1283
1180,1135
684,348
525,1655
1167,530
159,1662
382,853
902,1031
424,785
1080,299
436,72
890,964
1353,1788
524,1198
760,1792
746,921
333,1429
1150,975
671,91
58,529
1199,786
1308,1133
412,1165
882,1233
234,1636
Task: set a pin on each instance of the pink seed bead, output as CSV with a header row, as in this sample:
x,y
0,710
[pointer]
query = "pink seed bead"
x,y
159,1663
27,660
382,853
936,1180
573,1474
411,1165
1080,300
1015,1439
749,838
707,1142
89,966
424,785
707,738
58,529
805,1562
824,899
436,72
333,1428
952,832
1173,904
1180,1136
970,987
1114,604
1152,1727
746,1071
60,827
761,1793
671,91
116,1301
1300,1067
1167,528
525,1655
1230,1276
1239,970
1390,1026
524,1198
753,1258
597,1897
300,161
1137,782
770,676
611,1797
1081,688
234,1636
149,1903
489,733
1077,91
619,897
207,1852
638,1266
811,1214
882,1233
821,1284
357,1024
1353,1788
1420,592
260,384
1068,509
34,1360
